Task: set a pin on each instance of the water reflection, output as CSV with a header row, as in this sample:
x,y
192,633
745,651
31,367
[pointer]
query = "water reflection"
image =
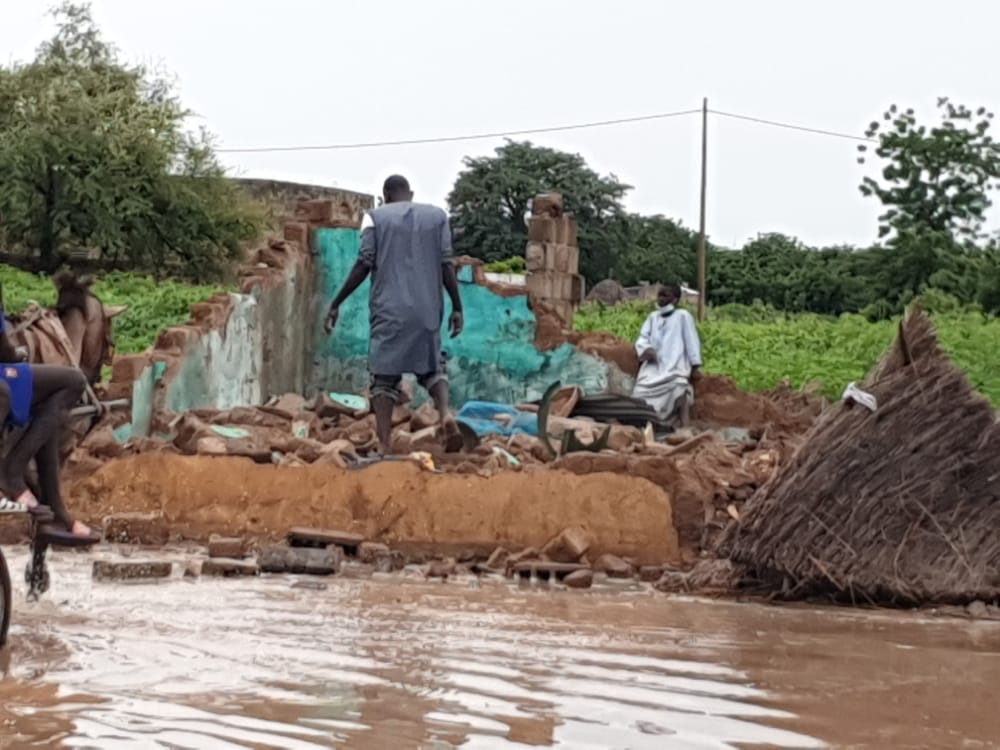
x,y
377,664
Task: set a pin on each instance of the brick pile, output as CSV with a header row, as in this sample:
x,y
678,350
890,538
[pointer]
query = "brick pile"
x,y
552,258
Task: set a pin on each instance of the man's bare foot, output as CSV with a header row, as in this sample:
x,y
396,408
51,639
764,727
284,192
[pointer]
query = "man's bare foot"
x,y
79,528
28,499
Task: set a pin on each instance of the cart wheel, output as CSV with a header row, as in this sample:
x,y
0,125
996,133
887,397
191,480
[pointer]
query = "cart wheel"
x,y
4,600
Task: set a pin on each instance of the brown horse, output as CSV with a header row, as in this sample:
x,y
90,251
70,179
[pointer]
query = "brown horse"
x,y
79,332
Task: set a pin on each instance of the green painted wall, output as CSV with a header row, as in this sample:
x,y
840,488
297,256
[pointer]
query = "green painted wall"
x,y
494,359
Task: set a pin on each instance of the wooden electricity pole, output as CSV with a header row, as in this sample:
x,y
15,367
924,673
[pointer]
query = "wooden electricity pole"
x,y
702,291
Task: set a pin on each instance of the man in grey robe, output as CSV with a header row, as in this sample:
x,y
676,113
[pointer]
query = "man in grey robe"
x,y
406,247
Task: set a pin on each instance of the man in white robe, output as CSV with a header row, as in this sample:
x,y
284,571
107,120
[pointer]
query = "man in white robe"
x,y
669,353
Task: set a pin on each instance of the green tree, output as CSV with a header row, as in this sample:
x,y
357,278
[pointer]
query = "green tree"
x,y
935,179
655,249
492,195
94,153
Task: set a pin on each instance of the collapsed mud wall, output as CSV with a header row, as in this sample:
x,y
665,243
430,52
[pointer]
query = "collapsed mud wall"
x,y
498,357
237,349
393,502
243,348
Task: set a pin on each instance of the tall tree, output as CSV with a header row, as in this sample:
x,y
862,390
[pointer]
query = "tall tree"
x,y
94,153
492,195
936,179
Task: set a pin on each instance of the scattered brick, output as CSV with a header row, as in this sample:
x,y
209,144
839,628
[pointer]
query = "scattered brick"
x,y
137,528
111,570
226,546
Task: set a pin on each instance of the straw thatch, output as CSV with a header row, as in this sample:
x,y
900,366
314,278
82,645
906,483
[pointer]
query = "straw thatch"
x,y
899,506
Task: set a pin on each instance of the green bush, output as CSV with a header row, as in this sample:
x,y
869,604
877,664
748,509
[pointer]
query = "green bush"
x,y
758,346
152,305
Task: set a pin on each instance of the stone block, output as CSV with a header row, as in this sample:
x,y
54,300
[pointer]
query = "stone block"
x,y
226,546
580,579
576,286
550,204
543,229
614,567
224,567
369,552
137,528
568,546
571,232
308,560
534,256
300,536
544,285
130,570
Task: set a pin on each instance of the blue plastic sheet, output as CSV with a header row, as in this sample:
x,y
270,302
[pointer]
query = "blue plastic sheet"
x,y
481,418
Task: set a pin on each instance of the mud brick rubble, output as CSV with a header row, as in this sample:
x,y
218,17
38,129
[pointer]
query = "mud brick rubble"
x,y
709,472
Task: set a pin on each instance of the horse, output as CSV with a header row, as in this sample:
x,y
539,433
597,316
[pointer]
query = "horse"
x,y
78,332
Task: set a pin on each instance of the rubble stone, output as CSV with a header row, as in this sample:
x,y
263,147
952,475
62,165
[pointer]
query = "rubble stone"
x,y
229,568
111,570
579,579
137,528
613,566
569,546
305,560
650,573
226,546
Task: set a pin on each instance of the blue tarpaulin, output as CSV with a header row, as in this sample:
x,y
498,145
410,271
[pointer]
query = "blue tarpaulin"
x,y
481,418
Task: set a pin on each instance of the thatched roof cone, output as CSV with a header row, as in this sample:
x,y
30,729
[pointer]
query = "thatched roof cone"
x,y
896,506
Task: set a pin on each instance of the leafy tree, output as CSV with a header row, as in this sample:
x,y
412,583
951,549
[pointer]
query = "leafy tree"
x,y
94,153
655,249
937,179
491,198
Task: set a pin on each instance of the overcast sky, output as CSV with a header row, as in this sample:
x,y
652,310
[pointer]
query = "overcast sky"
x,y
268,73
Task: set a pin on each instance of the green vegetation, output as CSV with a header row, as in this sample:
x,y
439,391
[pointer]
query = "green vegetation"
x,y
759,346
152,306
515,265
96,153
933,182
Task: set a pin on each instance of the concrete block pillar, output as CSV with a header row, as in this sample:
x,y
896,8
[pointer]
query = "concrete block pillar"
x,y
552,257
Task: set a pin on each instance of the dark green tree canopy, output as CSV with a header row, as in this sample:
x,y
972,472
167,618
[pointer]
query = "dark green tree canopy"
x,y
492,196
94,153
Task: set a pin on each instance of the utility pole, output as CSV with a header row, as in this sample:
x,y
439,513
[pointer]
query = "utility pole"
x,y
702,291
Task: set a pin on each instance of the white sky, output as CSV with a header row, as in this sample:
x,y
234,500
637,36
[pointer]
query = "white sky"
x,y
295,72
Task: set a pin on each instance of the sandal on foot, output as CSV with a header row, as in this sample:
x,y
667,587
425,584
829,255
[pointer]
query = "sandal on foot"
x,y
12,506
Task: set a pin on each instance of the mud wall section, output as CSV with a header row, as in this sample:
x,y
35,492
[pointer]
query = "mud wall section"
x,y
240,349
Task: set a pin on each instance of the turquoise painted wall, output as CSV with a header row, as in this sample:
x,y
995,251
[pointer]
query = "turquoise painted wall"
x,y
494,359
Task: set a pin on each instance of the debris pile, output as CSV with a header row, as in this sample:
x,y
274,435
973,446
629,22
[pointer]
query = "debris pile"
x,y
708,473
897,503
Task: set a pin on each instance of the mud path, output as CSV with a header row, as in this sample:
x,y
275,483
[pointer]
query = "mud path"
x,y
400,663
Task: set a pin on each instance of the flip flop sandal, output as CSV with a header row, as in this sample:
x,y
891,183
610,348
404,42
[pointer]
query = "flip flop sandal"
x,y
59,536
12,506
41,513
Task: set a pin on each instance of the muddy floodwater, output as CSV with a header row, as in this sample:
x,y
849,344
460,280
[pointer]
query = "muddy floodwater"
x,y
396,662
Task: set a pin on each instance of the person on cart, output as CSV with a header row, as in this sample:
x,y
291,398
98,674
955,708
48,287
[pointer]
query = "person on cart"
x,y
36,398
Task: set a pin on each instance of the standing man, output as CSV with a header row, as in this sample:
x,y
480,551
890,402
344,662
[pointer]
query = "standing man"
x,y
406,247
669,358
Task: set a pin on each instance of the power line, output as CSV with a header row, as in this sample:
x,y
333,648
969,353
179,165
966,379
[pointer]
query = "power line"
x,y
789,126
456,138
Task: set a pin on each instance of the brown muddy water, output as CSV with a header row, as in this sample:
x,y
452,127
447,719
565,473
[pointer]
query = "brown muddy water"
x,y
396,662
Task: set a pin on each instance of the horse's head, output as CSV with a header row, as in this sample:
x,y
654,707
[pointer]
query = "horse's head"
x,y
88,322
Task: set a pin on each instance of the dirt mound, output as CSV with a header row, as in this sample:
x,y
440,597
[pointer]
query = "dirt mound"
x,y
719,401
899,505
390,502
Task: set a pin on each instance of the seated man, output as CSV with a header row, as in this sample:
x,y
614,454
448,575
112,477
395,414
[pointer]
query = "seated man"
x,y
39,396
669,358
